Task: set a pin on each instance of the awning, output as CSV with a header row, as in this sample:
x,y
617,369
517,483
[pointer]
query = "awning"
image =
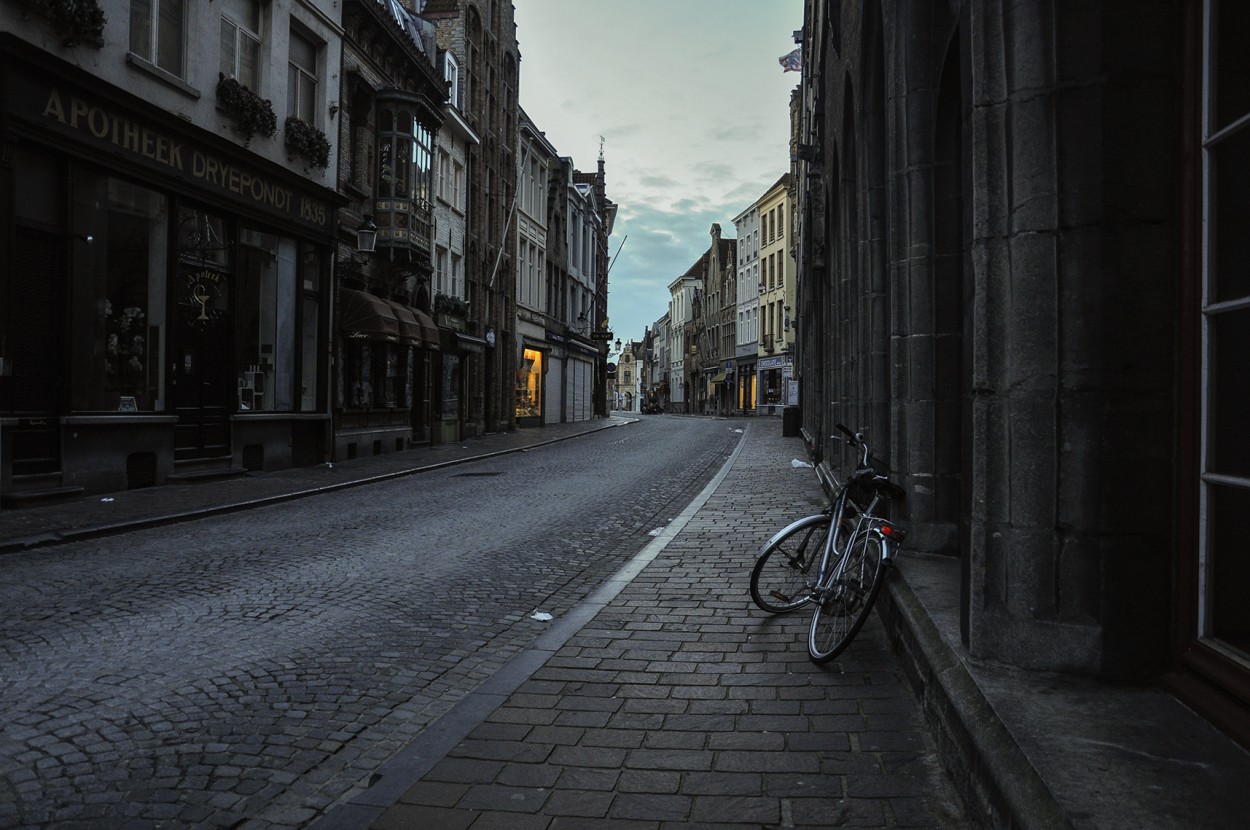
x,y
363,315
409,329
718,378
458,341
429,330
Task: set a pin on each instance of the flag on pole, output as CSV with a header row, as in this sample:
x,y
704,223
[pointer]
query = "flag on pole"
x,y
792,62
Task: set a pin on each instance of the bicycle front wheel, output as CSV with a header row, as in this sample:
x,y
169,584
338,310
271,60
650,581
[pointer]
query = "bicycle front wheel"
x,y
844,605
785,572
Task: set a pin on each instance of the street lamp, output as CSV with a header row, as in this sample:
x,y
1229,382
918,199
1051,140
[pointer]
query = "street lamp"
x,y
366,236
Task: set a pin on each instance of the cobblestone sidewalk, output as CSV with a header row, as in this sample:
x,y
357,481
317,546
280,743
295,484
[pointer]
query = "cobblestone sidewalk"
x,y
681,704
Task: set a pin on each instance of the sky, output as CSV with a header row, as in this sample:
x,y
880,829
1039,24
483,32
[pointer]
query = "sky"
x,y
693,109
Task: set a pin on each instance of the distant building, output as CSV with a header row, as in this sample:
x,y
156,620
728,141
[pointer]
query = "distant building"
x,y
776,299
453,151
683,295
539,162
743,381
482,35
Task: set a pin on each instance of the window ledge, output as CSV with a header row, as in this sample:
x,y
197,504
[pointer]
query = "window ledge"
x,y
167,78
108,420
279,416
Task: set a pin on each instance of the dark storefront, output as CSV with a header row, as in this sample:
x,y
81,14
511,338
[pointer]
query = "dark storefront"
x,y
164,292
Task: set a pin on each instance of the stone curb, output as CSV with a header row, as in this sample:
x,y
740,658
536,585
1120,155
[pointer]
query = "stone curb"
x,y
986,764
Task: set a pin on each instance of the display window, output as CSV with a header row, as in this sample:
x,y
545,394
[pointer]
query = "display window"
x,y
378,374
451,387
310,316
266,307
529,385
117,336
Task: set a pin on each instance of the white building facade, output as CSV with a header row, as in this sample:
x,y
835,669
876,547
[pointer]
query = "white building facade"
x,y
680,314
538,159
747,226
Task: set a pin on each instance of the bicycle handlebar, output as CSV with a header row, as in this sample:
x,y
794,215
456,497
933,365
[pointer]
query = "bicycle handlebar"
x,y
855,439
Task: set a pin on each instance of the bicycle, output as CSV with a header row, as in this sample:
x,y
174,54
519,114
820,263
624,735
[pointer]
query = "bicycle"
x,y
848,547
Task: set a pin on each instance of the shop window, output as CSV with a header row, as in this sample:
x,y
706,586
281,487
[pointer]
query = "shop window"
x,y
388,375
158,33
378,374
301,91
450,409
118,316
240,41
358,371
529,385
266,304
310,327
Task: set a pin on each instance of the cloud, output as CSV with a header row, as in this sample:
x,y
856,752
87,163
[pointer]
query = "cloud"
x,y
688,142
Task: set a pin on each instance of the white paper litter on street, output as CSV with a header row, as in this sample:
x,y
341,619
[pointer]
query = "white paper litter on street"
x,y
541,616
797,463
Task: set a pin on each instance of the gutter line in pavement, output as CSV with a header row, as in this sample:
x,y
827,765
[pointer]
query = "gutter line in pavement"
x,y
393,778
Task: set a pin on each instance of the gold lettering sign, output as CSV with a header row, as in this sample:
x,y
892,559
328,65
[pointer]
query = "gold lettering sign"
x,y
111,127
198,303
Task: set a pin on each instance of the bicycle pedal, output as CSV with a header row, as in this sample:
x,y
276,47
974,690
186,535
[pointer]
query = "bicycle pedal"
x,y
779,595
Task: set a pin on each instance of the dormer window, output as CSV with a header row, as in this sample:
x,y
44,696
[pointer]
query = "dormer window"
x,y
451,74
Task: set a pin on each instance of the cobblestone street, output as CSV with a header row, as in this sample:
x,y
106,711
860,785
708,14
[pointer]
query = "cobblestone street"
x,y
252,669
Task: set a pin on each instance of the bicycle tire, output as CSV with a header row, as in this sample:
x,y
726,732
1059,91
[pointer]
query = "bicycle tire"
x,y
781,580
842,612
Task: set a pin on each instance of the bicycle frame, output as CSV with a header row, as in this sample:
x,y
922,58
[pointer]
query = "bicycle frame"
x,y
850,560
867,522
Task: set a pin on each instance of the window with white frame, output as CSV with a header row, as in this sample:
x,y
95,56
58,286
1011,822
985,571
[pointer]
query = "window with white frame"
x,y
240,41
1224,614
301,92
457,186
158,33
444,176
451,74
441,277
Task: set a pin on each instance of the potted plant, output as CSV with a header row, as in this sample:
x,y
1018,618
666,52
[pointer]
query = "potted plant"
x,y
251,113
76,21
307,142
452,306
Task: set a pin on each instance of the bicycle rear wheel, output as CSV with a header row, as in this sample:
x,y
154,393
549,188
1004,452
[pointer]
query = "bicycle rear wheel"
x,y
845,605
784,573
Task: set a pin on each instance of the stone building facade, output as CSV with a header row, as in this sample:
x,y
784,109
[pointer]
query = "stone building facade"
x,y
387,347
484,35
451,199
167,235
1009,237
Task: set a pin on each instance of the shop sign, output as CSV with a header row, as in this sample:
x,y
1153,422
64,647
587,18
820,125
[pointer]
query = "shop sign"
x,y
771,363
202,288
119,131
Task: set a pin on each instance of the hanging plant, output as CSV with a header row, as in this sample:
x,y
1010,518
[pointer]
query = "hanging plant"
x,y
251,113
307,142
454,306
76,21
